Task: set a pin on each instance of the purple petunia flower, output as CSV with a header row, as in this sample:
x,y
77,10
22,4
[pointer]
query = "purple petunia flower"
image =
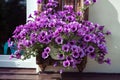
x,y
101,59
33,37
82,53
66,30
68,7
59,40
108,61
61,56
96,25
83,45
66,63
87,38
60,29
39,1
100,34
47,50
74,48
10,43
40,38
85,28
17,54
103,47
92,55
92,28
75,54
79,26
20,45
49,37
108,33
50,32
73,28
12,56
93,36
79,13
36,13
65,47
49,10
30,16
80,32
51,0
51,24
43,33
87,2
26,42
45,55
69,58
46,40
56,34
101,28
49,5
70,18
90,49
73,42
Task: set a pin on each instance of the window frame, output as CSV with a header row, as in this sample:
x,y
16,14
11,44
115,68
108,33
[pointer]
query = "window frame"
x,y
17,63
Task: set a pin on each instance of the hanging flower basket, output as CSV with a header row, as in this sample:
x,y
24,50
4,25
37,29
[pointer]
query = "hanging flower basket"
x,y
61,37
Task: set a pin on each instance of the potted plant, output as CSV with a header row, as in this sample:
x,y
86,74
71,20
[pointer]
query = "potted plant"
x,y
60,37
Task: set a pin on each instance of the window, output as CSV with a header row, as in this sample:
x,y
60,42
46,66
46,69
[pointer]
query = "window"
x,y
12,13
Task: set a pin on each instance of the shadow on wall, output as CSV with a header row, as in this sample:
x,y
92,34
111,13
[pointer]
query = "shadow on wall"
x,y
106,12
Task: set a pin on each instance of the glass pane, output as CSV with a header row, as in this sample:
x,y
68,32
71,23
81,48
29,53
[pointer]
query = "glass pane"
x,y
12,13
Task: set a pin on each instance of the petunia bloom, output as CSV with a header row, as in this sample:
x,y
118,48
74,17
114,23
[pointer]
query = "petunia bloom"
x,y
59,40
61,56
75,54
108,61
39,1
65,47
91,49
87,38
66,63
87,2
47,50
45,55
92,55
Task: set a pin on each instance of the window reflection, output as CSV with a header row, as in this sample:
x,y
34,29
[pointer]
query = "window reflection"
x,y
12,13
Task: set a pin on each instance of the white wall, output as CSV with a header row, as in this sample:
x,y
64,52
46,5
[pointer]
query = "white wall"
x,y
31,6
107,12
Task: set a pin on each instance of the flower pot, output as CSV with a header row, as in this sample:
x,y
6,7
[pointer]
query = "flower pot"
x,y
47,65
